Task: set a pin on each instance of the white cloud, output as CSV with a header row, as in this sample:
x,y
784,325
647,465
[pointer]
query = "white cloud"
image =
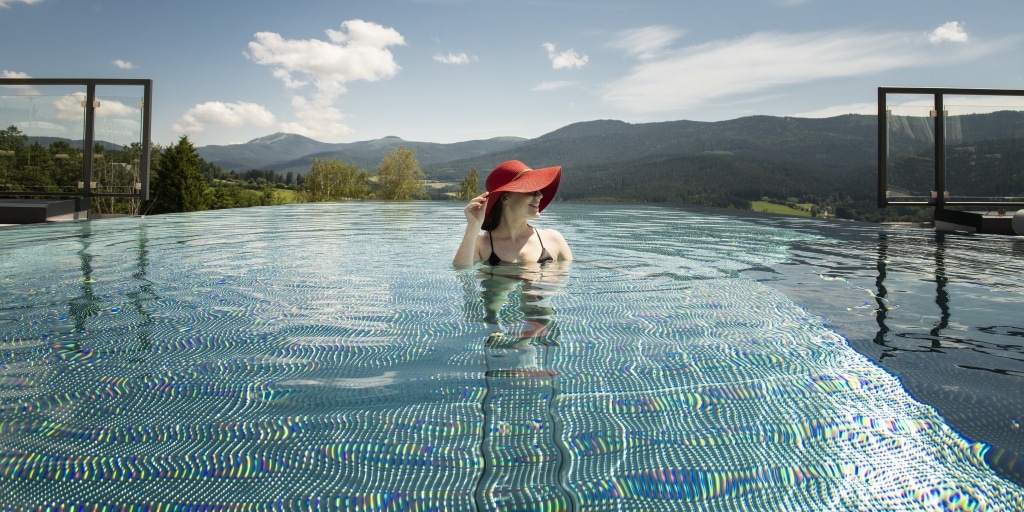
x,y
839,110
359,52
28,90
289,82
694,75
551,86
645,43
316,121
43,128
123,64
955,106
452,58
566,59
69,108
223,114
124,129
8,3
111,108
962,105
958,105
952,32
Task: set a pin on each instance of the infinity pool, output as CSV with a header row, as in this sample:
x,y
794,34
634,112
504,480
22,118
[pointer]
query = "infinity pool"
x,y
327,356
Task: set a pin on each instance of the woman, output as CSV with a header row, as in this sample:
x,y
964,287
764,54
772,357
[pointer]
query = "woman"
x,y
515,194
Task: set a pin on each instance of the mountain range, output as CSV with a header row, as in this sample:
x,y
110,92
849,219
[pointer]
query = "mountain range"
x,y
284,152
712,163
837,143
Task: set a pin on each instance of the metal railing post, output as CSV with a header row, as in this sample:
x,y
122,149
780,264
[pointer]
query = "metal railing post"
x,y
88,142
883,149
940,152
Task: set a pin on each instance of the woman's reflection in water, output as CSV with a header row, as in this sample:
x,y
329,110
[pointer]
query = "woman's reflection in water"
x,y
523,457
516,303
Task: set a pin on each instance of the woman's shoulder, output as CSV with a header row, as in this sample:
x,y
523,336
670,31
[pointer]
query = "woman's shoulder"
x,y
547,233
483,241
555,243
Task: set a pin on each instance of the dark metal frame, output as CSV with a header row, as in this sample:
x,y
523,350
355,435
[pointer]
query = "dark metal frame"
x,y
90,132
939,200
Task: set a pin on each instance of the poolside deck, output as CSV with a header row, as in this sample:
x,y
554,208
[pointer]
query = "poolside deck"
x,y
32,211
989,222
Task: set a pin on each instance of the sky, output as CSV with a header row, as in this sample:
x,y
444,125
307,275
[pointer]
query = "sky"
x,y
229,71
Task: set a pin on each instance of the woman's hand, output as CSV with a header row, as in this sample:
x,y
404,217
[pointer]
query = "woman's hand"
x,y
475,210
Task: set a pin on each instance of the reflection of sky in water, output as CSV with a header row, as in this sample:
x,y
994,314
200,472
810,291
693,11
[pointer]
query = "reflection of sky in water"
x,y
266,357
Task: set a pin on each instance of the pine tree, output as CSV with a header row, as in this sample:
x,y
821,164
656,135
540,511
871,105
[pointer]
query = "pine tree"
x,y
12,145
178,184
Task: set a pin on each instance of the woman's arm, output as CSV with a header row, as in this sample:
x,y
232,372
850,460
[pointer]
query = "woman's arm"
x,y
468,252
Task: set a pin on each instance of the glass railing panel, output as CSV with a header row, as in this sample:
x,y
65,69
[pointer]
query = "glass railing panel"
x,y
41,134
910,170
118,135
984,148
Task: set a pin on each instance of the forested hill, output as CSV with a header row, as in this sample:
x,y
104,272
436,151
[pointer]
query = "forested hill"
x,y
711,163
845,140
827,162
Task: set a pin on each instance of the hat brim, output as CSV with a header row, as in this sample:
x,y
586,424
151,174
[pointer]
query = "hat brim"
x,y
545,179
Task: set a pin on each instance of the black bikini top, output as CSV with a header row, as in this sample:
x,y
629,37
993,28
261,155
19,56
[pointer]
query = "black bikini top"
x,y
544,256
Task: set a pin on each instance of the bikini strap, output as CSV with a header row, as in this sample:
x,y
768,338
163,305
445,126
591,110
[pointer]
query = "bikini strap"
x,y
493,259
539,239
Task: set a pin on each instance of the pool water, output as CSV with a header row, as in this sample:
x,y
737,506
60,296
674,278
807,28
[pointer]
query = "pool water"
x,y
327,356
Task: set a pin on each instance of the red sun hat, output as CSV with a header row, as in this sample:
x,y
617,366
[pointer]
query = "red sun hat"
x,y
515,176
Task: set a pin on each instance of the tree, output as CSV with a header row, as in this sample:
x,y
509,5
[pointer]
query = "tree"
x,y
68,170
224,197
12,138
268,197
12,143
34,171
468,189
331,180
178,184
399,176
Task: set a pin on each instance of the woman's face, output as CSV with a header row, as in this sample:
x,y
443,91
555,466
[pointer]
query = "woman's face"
x,y
525,204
